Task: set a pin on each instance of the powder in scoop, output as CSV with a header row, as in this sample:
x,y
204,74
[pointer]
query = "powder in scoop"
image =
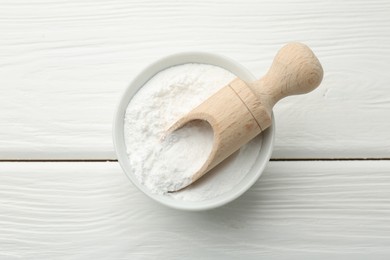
x,y
181,154
163,164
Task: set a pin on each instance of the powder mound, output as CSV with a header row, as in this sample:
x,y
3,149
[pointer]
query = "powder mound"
x,y
164,164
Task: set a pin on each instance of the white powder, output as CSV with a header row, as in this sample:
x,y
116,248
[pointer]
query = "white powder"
x,y
163,164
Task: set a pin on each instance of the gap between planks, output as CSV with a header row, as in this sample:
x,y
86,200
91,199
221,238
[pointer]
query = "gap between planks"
x,y
272,160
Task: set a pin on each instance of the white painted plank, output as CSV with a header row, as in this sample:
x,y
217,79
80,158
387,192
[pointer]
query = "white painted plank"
x,y
64,64
297,209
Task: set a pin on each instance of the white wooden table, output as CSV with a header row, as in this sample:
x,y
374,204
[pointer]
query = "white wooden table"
x,y
63,66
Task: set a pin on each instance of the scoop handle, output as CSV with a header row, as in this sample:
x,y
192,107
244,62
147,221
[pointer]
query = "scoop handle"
x,y
295,70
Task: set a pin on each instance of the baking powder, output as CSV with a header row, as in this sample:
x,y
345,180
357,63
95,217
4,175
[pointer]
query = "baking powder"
x,y
163,164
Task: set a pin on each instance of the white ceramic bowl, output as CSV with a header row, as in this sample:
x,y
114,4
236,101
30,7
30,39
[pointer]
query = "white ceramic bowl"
x,y
162,64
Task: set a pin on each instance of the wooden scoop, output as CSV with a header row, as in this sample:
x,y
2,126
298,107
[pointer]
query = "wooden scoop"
x,y
240,111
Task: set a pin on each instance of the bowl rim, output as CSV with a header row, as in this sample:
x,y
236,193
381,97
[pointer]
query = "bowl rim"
x,y
149,72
